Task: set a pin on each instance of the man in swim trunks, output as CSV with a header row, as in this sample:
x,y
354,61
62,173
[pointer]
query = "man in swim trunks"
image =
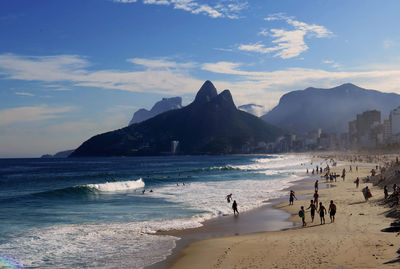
x,y
313,208
322,212
332,211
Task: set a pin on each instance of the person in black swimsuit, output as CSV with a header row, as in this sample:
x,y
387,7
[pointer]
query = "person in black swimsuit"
x,y
332,211
234,207
322,212
312,207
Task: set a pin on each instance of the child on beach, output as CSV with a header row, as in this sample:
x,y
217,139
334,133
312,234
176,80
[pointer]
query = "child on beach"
x,y
332,211
302,215
313,208
322,212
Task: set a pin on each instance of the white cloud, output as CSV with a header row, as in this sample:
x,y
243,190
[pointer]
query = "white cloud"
x,y
24,93
168,77
220,9
332,63
287,43
31,113
159,63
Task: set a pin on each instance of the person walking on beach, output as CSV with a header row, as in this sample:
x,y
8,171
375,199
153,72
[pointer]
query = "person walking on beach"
x,y
313,208
367,193
234,207
322,212
291,197
316,199
332,211
357,181
385,191
343,174
302,215
316,185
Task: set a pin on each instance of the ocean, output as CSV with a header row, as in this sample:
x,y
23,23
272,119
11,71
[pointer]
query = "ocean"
x,y
92,212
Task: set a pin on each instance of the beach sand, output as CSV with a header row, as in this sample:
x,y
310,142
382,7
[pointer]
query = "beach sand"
x,y
355,239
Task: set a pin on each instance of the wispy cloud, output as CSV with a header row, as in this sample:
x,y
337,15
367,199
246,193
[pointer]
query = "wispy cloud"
x,y
167,77
332,63
219,9
31,113
287,43
24,93
159,63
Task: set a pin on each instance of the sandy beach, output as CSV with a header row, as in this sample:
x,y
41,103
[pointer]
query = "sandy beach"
x,y
354,240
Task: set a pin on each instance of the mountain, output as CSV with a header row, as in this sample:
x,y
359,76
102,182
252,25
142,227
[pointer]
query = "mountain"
x,y
61,154
211,124
254,109
328,109
165,104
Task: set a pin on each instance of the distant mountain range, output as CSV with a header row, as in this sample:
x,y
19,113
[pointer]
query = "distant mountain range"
x,y
211,124
328,109
61,154
164,105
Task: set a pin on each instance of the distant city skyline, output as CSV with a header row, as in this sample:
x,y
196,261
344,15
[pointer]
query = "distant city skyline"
x,y
73,69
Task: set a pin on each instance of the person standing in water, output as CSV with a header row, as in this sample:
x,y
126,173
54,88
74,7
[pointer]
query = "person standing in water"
x,y
229,198
234,207
322,212
312,207
291,197
332,211
316,185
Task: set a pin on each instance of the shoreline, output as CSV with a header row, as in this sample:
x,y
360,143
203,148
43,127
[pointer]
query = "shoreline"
x,y
355,239
266,218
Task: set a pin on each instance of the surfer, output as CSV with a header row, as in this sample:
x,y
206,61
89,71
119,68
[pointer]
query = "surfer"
x,y
234,207
229,197
143,191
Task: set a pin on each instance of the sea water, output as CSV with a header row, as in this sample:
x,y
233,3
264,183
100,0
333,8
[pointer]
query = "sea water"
x,y
92,212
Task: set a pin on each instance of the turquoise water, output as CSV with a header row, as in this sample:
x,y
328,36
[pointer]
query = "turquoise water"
x,y
72,213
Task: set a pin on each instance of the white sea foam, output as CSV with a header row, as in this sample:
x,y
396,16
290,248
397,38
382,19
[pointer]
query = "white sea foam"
x,y
119,245
116,186
132,245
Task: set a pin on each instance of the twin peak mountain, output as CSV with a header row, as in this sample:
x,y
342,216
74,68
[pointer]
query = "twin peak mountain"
x,y
211,124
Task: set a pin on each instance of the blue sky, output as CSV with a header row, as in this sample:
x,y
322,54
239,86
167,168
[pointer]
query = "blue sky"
x,y
72,69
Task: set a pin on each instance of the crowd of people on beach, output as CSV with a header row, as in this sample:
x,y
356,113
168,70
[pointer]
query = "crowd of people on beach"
x,y
387,168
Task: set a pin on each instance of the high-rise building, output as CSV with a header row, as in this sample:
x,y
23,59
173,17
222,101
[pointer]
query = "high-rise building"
x,y
394,119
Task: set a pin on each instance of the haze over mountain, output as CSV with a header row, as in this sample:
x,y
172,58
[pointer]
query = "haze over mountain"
x,y
256,110
164,105
211,124
329,109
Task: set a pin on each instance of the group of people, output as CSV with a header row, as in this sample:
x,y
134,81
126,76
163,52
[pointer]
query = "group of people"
x,y
321,211
314,207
